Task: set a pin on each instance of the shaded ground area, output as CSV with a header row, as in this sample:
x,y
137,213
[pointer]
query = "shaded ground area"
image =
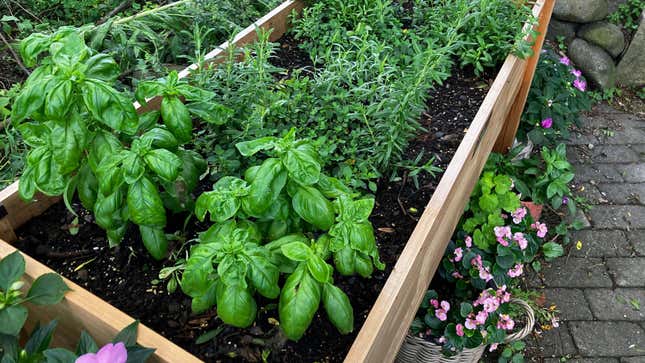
x,y
600,288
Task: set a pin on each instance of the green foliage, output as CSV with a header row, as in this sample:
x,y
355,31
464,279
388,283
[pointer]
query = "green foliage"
x,y
12,149
47,289
37,348
552,96
491,29
85,136
281,201
491,197
628,14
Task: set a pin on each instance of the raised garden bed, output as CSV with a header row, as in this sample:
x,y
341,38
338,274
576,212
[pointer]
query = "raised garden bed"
x,y
389,318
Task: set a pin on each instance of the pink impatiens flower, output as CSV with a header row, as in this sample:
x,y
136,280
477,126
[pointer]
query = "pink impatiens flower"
x,y
547,123
541,229
580,84
434,303
460,330
518,215
470,322
516,271
442,314
576,73
565,60
468,241
485,274
110,353
481,317
521,240
505,322
459,253
503,234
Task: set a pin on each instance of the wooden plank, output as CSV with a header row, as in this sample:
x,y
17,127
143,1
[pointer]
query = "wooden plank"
x,y
81,310
389,320
506,138
19,212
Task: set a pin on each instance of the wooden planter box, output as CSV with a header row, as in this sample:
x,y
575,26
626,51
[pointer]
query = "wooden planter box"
x,y
493,128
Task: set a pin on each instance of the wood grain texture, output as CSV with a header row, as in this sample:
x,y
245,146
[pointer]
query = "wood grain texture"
x,y
81,310
507,136
389,320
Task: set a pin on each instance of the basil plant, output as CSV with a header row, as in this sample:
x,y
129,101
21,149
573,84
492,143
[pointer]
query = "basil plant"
x,y
85,136
284,217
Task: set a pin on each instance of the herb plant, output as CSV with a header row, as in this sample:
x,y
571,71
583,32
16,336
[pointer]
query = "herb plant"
x,y
628,14
47,289
282,201
85,136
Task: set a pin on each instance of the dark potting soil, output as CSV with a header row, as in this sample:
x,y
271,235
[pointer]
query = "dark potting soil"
x,y
127,277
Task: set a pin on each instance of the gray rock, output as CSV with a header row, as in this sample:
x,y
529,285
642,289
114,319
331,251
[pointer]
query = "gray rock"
x,y
581,11
631,69
605,35
564,29
597,65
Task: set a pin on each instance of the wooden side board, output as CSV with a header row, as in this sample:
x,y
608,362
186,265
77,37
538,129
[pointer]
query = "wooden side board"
x,y
81,310
389,320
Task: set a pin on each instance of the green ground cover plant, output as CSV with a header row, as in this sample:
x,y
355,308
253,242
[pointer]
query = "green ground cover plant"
x,y
627,14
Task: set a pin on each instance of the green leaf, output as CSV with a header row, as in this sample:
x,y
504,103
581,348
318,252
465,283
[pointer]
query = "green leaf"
x,y
339,309
298,304
70,139
58,100
235,305
28,101
465,309
102,66
164,163
59,355
155,241
12,319
161,138
109,107
265,188
40,338
177,119
133,168
128,335
264,276
319,269
488,203
345,261
506,261
12,267
248,148
552,250
32,46
148,89
302,164
145,205
27,184
313,207
296,251
86,344
224,201
47,289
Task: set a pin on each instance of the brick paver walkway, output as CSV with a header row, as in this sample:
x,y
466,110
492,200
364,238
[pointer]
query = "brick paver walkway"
x,y
600,289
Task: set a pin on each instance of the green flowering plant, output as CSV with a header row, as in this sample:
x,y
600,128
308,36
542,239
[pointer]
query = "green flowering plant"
x,y
555,101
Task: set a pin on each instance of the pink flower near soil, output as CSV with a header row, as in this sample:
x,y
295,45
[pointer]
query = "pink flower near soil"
x,y
576,73
460,330
505,322
516,271
459,253
541,229
110,353
493,347
521,240
580,84
565,60
518,215
547,123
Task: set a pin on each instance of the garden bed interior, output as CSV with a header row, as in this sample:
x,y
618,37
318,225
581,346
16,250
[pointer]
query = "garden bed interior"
x,y
463,123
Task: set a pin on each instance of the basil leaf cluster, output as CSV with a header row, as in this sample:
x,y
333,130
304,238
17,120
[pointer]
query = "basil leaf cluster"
x,y
284,217
86,137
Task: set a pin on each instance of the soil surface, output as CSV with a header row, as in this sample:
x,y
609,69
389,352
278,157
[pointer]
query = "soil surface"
x,y
127,277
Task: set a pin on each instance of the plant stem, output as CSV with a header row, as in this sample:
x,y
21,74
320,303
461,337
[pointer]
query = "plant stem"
x,y
13,53
151,11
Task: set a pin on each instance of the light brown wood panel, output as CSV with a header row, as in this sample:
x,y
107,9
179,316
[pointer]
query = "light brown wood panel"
x,y
390,318
506,138
18,211
81,310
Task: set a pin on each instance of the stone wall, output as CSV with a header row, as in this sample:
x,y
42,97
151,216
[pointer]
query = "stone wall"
x,y
598,47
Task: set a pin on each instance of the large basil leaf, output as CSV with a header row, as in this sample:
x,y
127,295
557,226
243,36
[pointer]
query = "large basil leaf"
x,y
299,302
332,187
177,119
87,187
265,189
103,67
362,237
345,261
164,163
148,89
133,167
155,241
264,276
103,144
27,184
32,46
145,205
198,279
30,100
319,269
235,305
193,165
302,164
109,107
296,251
48,178
339,310
59,99
107,210
34,134
109,173
211,112
161,138
70,139
313,207
248,148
